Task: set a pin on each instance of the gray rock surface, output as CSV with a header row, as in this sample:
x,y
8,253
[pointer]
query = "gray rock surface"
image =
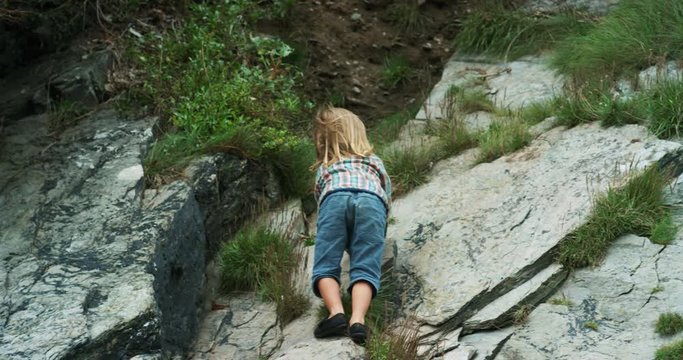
x,y
511,85
84,82
500,312
247,328
88,267
671,71
618,296
471,235
600,7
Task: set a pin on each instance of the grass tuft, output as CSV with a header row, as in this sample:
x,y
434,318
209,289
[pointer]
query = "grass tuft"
x,y
409,165
259,259
636,34
672,351
407,16
400,344
503,137
521,314
65,114
634,208
495,31
396,71
664,231
591,324
665,108
669,324
563,300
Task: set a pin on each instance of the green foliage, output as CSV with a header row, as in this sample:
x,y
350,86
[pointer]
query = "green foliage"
x,y
664,231
396,71
636,34
502,137
496,31
258,259
669,324
665,108
672,351
222,99
634,208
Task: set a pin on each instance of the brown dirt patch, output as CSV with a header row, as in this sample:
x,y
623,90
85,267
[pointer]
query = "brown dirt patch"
x,y
343,46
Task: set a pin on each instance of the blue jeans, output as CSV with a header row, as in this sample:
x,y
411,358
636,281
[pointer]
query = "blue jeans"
x,y
355,222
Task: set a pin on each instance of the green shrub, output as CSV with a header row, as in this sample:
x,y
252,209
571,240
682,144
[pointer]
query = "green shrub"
x,y
634,208
669,324
496,31
258,259
219,98
502,137
672,351
636,34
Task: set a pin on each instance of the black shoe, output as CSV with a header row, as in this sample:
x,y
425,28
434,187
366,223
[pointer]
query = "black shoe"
x,y
334,326
358,333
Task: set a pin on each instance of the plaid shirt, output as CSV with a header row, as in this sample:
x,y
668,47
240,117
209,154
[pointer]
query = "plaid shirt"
x,y
359,173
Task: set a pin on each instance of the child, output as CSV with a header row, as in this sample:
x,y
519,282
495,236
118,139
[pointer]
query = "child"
x,y
353,192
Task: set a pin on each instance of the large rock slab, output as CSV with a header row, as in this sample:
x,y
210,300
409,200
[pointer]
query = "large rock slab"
x,y
618,297
89,268
472,234
510,85
246,328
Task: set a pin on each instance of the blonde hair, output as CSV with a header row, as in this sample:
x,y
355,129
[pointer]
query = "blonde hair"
x,y
338,133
